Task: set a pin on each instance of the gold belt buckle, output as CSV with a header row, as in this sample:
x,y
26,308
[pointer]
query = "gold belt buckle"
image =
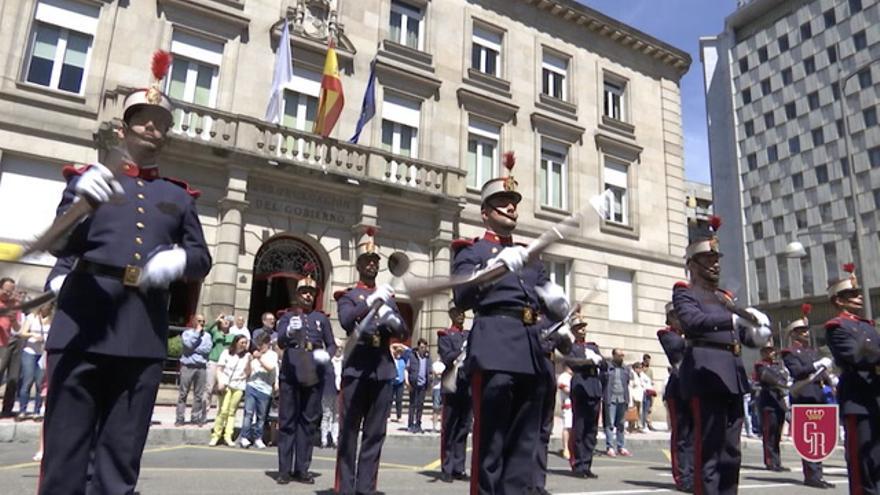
x,y
377,341
132,276
528,315
309,346
737,349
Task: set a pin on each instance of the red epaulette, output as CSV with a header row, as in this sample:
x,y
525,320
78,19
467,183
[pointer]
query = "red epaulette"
x,y
195,193
591,343
727,293
338,294
324,313
441,333
73,169
280,312
787,350
832,323
459,244
681,285
663,331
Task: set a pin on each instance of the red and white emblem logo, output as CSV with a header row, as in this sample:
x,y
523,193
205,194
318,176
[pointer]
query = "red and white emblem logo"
x,y
814,430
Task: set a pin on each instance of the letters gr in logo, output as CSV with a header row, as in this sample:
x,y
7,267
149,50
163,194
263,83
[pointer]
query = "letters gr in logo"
x,y
814,430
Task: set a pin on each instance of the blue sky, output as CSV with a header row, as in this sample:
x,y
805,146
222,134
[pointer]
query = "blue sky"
x,y
679,23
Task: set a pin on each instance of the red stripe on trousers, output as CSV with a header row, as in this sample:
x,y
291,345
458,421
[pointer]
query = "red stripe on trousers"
x,y
673,442
477,394
48,375
698,447
854,463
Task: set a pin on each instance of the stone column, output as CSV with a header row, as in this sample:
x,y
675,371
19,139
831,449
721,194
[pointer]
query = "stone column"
x,y
224,274
437,306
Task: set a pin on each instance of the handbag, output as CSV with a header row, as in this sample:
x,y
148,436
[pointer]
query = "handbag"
x,y
632,414
222,380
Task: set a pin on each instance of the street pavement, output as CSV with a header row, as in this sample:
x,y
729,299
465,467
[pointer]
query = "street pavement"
x,y
410,464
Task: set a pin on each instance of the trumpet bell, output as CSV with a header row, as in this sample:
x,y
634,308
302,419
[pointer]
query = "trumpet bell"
x,y
398,264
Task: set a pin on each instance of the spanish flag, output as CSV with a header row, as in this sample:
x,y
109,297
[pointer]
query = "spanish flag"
x,y
331,99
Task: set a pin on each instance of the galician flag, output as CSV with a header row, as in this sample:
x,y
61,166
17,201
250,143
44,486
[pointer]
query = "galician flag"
x,y
283,75
331,100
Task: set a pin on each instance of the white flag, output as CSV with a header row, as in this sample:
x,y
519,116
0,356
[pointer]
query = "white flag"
x,y
283,75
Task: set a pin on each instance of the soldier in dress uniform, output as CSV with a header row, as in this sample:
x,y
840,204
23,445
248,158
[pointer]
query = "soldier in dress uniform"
x,y
504,355
111,326
681,423
306,336
855,345
774,382
552,336
366,374
712,373
588,368
801,360
457,410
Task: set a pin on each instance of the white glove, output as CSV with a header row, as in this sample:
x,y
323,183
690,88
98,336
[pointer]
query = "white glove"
x,y
294,324
565,332
56,283
163,268
825,362
98,184
789,383
321,356
833,380
554,298
592,356
382,293
762,318
513,257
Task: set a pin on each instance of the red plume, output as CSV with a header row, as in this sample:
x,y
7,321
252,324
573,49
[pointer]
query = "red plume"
x,y
509,160
161,64
806,308
849,267
371,231
715,222
309,267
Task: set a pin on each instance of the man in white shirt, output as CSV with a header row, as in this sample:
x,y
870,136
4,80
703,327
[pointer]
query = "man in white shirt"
x,y
240,329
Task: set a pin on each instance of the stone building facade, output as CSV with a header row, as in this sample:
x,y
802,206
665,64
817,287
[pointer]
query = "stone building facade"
x,y
586,103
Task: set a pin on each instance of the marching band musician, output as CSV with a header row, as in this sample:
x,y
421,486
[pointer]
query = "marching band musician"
x,y
504,355
110,332
456,393
855,345
306,337
681,424
774,382
801,360
366,373
713,376
588,368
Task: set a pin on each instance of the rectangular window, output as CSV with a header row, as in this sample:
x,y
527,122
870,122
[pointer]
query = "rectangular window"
x,y
400,125
758,230
839,125
822,174
193,77
800,218
616,181
807,274
860,40
784,283
832,54
806,31
818,136
766,89
794,145
876,198
558,272
60,44
772,154
762,54
844,167
865,80
874,157
790,110
786,77
761,275
769,120
783,43
813,100
752,160
809,65
620,295
830,260
406,26
825,212
747,95
870,116
778,225
486,51
553,175
848,204
614,100
855,6
835,91
743,65
750,128
554,70
830,18
482,159
797,181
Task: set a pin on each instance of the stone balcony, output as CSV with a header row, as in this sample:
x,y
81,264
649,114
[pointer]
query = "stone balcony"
x,y
243,138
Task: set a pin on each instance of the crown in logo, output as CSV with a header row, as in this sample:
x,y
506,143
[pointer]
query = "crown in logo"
x,y
815,414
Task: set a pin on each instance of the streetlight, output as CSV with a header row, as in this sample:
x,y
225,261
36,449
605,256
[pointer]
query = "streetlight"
x,y
796,249
853,184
